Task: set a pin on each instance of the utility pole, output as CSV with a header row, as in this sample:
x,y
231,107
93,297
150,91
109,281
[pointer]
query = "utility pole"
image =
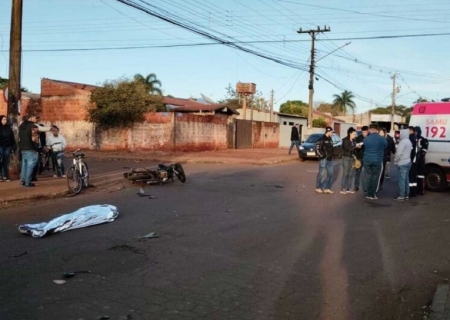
x,y
15,62
312,33
394,91
271,106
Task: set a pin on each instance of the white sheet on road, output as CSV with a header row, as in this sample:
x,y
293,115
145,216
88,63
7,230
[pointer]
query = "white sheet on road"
x,y
83,217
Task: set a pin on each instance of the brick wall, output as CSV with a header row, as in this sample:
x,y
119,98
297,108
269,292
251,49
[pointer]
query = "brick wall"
x,y
200,133
266,134
26,105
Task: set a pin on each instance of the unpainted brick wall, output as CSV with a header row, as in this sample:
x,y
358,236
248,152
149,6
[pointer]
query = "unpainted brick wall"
x,y
266,134
200,133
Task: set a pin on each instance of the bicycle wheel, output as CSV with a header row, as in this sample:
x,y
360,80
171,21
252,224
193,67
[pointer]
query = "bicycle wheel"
x,y
85,174
74,180
179,172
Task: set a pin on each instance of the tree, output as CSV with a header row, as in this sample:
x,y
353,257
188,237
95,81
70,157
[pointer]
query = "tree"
x,y
120,103
421,99
4,82
296,107
234,100
344,102
231,98
150,81
328,108
319,123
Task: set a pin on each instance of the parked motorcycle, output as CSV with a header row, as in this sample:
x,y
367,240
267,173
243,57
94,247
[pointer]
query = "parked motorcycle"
x,y
160,174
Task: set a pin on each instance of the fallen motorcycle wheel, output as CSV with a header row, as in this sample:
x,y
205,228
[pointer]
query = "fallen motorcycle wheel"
x,y
179,172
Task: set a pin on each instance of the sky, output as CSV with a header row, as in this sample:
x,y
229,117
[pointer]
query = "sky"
x,y
93,41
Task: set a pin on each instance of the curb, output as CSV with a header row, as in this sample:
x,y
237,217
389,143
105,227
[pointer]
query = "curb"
x,y
440,308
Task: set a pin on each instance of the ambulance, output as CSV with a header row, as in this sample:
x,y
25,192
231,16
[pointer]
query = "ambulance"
x,y
434,120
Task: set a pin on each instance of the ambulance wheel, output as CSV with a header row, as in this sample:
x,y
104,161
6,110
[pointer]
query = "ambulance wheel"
x,y
435,179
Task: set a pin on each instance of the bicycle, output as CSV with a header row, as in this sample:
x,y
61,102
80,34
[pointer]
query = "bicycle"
x,y
77,175
49,158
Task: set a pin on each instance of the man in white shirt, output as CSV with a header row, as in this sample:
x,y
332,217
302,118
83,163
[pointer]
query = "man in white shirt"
x,y
57,143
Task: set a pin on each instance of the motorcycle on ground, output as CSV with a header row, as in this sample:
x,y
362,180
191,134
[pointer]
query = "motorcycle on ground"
x,y
159,175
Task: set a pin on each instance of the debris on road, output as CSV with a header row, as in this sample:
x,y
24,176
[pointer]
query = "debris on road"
x,y
71,274
279,186
142,193
18,255
83,217
59,281
150,235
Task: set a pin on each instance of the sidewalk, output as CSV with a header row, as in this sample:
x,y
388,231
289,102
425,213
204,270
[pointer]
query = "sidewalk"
x,y
48,187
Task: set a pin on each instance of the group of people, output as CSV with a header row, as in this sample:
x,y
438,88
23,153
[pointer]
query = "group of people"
x,y
373,149
32,143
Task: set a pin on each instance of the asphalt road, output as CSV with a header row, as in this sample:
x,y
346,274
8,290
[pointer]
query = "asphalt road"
x,y
232,246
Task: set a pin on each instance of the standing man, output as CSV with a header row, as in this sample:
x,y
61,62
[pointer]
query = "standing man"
x,y
57,142
390,151
413,169
374,146
28,145
295,138
324,149
422,148
359,153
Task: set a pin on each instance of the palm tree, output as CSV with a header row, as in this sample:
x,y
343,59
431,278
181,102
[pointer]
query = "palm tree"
x,y
151,82
344,101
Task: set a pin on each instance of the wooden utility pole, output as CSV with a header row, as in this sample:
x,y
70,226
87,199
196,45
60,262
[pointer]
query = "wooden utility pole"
x,y
15,62
312,33
271,106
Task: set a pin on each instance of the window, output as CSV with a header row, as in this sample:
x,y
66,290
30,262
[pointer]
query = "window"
x,y
291,123
284,123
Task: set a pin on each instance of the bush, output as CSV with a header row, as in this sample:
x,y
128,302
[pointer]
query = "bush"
x,y
121,103
319,123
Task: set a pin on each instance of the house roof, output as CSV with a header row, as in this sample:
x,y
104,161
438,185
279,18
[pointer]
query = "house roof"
x,y
327,115
81,86
205,108
30,95
290,115
188,105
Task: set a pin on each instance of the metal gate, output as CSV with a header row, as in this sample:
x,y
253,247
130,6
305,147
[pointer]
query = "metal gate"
x,y
231,135
244,134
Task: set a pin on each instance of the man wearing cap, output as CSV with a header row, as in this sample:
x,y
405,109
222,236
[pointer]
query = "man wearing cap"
x,y
359,153
28,145
324,149
374,149
295,138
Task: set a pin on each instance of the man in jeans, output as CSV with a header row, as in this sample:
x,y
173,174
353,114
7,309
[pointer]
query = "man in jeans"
x,y
359,153
403,162
28,145
374,148
324,149
295,138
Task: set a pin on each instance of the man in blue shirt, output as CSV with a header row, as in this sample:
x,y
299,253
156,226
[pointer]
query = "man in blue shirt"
x,y
374,148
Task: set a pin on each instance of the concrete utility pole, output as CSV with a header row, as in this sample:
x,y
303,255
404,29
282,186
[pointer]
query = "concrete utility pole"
x,y
15,62
312,33
394,91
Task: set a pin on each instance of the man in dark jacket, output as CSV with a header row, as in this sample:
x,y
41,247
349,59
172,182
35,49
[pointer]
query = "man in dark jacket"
x,y
374,146
413,169
28,145
324,149
359,153
295,138
422,148
390,151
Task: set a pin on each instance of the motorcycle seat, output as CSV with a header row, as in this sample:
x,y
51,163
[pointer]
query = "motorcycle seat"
x,y
139,170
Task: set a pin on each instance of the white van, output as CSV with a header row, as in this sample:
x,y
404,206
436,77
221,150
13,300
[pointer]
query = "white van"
x,y
433,118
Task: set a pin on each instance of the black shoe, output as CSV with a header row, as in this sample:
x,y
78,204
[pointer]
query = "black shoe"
x,y
22,183
356,189
29,185
34,179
